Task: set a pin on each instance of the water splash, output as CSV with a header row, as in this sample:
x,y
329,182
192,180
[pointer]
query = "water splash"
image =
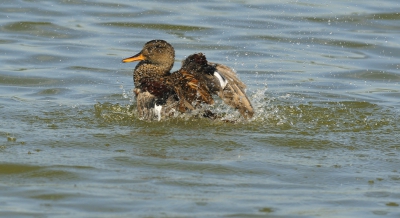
x,y
287,111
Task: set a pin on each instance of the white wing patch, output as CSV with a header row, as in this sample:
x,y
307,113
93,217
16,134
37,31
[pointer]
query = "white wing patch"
x,y
157,110
222,80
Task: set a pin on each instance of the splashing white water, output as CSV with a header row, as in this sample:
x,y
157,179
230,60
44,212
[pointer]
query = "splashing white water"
x,y
259,98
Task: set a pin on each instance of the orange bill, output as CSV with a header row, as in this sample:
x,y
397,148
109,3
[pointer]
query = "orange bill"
x,y
138,57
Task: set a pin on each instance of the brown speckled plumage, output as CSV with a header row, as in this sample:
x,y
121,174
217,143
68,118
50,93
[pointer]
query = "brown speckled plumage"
x,y
185,89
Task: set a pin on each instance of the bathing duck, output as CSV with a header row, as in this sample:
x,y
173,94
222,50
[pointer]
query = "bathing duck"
x,y
160,93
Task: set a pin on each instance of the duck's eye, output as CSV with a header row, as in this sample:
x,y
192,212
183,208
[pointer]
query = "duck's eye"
x,y
150,50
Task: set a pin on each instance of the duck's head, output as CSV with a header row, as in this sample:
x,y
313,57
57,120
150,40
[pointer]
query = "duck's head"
x,y
155,52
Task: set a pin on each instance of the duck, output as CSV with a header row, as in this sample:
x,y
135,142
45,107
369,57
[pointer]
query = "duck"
x,y
160,93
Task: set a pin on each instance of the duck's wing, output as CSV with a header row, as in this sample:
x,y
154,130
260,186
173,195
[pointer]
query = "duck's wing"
x,y
190,90
232,90
229,74
221,80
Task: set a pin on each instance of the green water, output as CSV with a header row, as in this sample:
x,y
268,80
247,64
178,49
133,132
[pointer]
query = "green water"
x,y
323,78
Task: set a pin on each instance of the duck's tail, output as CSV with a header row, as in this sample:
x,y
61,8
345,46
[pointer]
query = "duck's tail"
x,y
233,90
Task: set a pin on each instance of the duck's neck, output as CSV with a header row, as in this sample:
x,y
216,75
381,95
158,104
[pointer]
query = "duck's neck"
x,y
145,69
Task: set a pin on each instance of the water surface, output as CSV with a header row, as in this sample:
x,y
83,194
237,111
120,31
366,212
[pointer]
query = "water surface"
x,y
323,77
